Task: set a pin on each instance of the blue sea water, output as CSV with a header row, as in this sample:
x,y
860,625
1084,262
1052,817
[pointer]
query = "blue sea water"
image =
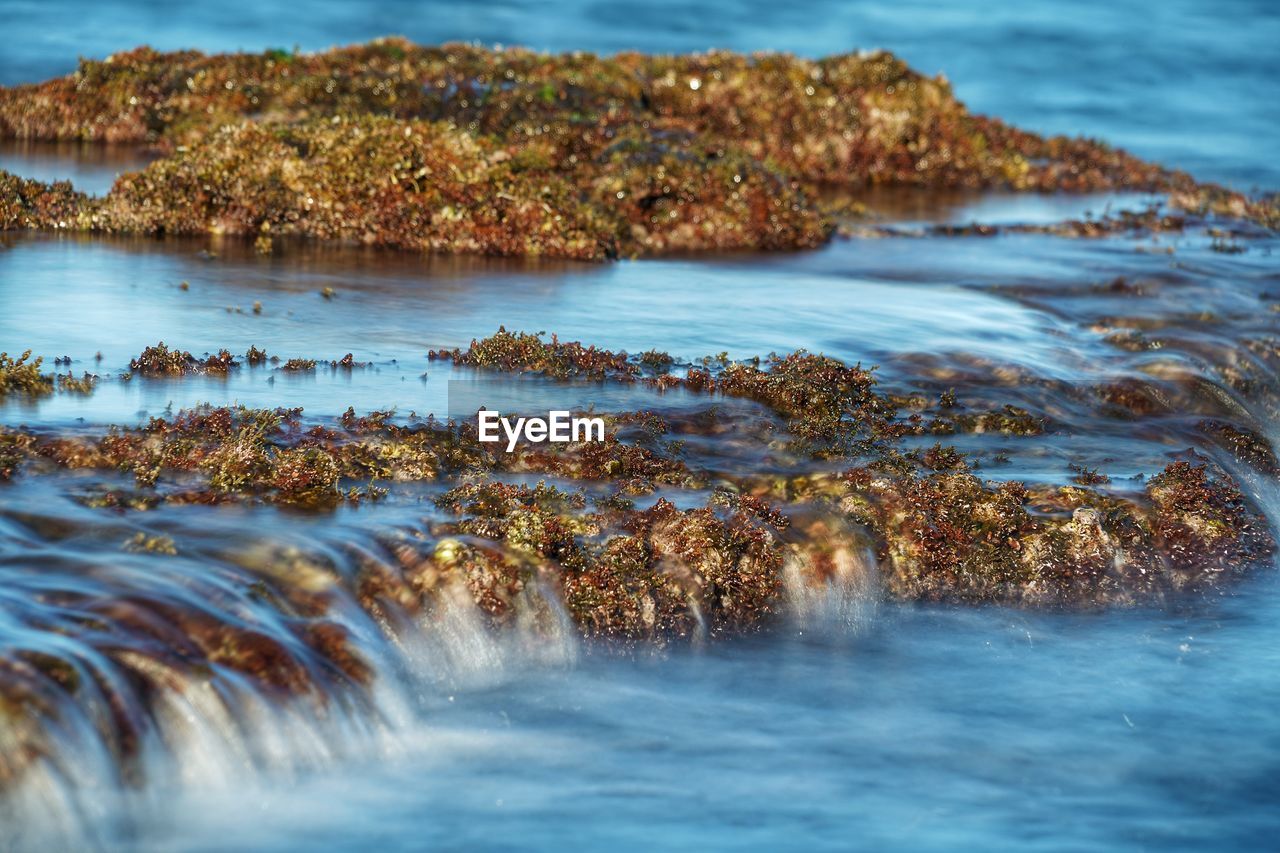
x,y
853,722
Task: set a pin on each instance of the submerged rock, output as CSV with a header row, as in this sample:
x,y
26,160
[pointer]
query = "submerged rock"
x,y
938,530
634,540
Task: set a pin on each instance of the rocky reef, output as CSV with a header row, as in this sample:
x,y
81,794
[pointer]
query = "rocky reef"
x,y
937,530
681,525
686,522
510,152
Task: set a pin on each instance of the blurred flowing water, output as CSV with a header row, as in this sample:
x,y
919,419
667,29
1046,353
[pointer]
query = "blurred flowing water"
x,y
851,720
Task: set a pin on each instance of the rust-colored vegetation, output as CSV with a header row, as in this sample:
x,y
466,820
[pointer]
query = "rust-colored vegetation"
x,y
510,152
940,531
21,375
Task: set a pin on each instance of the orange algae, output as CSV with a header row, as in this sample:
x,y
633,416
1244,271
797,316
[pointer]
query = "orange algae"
x,y
938,530
511,152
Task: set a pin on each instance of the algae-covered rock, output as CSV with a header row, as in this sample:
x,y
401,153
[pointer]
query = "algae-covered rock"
x,y
22,375
30,204
950,536
845,119
511,152
435,188
414,185
938,530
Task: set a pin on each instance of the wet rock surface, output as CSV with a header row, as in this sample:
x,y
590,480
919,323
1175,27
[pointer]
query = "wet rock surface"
x,y
641,539
940,531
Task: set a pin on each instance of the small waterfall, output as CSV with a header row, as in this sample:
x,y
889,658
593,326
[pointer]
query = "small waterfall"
x,y
162,710
839,596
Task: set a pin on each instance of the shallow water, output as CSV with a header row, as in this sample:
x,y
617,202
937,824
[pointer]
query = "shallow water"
x,y
91,168
914,740
851,718
965,311
952,727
